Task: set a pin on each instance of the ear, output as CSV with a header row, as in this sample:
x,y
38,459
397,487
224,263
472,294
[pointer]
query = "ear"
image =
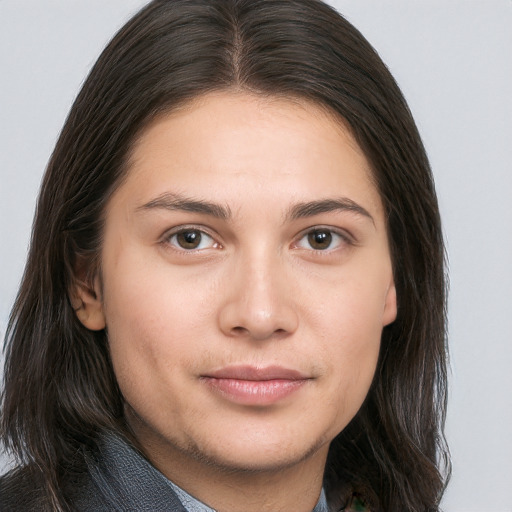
x,y
390,305
88,305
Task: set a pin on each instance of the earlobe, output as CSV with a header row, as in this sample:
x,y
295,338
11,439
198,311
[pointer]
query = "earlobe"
x,y
390,306
88,305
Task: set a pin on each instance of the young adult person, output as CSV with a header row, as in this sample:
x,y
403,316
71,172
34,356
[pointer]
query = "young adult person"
x,y
234,298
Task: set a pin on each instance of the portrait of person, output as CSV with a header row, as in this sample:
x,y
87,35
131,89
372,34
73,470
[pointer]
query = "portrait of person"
x,y
235,291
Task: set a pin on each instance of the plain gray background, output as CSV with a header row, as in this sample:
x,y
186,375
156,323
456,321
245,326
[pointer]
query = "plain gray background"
x,y
453,61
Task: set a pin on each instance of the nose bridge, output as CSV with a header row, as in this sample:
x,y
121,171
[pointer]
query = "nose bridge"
x,y
262,285
260,302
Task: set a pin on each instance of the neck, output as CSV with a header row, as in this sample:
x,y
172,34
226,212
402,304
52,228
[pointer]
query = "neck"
x,y
294,486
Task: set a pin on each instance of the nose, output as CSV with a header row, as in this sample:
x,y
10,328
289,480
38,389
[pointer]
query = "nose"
x,y
260,301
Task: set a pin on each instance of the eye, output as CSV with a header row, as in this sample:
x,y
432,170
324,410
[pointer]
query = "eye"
x,y
321,239
191,239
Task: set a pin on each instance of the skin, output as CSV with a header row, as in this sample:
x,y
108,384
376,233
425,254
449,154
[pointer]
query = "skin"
x,y
258,291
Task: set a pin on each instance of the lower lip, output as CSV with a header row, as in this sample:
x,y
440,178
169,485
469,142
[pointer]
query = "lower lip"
x,y
254,392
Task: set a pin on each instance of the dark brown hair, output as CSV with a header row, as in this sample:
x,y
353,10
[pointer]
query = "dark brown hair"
x,y
60,390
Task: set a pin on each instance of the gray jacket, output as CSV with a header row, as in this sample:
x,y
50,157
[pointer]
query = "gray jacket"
x,y
116,479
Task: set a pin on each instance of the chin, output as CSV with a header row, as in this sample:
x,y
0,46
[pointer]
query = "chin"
x,y
259,457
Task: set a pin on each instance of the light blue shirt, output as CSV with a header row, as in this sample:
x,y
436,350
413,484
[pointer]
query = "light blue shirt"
x,y
194,505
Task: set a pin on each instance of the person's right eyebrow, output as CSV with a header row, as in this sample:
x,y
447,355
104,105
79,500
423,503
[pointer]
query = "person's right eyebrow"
x,y
173,201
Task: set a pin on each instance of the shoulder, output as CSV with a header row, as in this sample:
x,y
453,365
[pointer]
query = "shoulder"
x,y
20,491
112,476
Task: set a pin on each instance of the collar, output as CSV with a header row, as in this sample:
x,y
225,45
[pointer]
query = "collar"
x,y
127,481
194,505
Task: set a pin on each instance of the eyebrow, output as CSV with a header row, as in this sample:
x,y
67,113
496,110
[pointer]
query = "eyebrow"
x,y
312,208
170,201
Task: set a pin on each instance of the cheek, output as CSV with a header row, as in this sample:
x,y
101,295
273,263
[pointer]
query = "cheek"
x,y
351,371
147,321
151,357
351,327
353,356
160,321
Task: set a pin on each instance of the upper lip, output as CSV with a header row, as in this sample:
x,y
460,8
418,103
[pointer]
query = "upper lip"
x,y
256,373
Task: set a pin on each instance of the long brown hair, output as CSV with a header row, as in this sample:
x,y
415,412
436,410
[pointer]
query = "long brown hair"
x,y
60,390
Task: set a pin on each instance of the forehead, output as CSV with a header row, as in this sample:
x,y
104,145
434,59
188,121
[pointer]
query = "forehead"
x,y
237,109
227,142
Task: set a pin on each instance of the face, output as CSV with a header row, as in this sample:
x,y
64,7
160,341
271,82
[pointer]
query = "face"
x,y
246,279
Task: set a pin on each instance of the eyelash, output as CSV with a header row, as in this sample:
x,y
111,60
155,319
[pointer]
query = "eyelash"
x,y
336,236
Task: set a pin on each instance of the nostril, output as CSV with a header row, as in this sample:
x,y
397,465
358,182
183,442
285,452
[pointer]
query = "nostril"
x,y
239,330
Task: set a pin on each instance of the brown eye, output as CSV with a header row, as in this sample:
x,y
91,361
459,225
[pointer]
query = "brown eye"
x,y
320,239
191,239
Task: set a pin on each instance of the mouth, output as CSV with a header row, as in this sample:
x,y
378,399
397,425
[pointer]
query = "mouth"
x,y
249,385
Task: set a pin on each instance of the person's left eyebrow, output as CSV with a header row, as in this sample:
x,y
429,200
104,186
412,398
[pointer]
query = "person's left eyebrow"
x,y
171,201
312,208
